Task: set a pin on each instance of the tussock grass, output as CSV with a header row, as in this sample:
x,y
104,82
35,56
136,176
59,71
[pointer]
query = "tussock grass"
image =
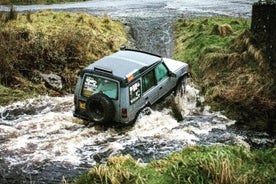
x,y
117,170
222,30
9,95
194,37
53,42
230,68
215,164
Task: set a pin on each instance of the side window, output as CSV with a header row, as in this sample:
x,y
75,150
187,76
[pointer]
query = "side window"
x,y
161,72
148,81
135,91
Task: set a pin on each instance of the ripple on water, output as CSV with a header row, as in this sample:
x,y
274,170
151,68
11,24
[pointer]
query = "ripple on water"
x,y
53,142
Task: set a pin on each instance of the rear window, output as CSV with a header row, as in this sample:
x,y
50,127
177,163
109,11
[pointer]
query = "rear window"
x,y
95,84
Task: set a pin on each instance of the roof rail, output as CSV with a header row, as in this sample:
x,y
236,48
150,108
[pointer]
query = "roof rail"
x,y
123,48
101,69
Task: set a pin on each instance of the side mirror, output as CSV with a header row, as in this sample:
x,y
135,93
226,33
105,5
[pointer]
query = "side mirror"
x,y
171,74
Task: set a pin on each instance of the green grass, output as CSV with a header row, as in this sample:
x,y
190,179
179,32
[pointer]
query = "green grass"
x,y
9,95
215,164
231,70
194,37
53,42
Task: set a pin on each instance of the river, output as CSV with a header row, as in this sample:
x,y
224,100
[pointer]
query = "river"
x,y
41,141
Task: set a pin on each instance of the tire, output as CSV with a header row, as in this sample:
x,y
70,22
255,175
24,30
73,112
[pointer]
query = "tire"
x,y
100,108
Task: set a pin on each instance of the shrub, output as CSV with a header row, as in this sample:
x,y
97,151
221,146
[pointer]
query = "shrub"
x,y
54,42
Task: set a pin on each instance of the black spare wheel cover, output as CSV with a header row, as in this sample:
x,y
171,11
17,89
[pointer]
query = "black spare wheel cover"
x,y
100,108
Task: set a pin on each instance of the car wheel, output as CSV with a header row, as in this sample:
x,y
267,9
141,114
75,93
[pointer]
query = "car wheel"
x,y
100,108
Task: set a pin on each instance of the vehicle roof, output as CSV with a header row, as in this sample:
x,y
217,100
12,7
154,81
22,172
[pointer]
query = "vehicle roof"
x,y
125,62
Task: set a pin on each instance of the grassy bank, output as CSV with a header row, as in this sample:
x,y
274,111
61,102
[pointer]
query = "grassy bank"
x,y
30,2
51,42
230,68
216,164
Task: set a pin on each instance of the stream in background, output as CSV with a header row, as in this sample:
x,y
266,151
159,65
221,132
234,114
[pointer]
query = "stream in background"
x,y
41,141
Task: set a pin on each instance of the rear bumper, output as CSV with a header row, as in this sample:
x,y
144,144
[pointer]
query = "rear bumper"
x,y
80,115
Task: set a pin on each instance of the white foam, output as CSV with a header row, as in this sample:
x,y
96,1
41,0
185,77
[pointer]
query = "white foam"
x,y
53,134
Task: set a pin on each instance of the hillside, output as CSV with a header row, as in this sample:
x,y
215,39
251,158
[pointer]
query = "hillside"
x,y
48,42
230,69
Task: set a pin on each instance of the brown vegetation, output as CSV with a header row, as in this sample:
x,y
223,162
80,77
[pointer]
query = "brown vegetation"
x,y
233,71
51,42
241,80
222,30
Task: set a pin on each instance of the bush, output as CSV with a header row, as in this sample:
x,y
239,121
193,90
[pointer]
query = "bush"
x,y
54,42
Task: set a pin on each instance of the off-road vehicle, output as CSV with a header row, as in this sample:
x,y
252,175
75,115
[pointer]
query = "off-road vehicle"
x,y
117,87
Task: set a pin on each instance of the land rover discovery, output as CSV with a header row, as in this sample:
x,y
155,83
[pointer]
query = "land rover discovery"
x,y
117,87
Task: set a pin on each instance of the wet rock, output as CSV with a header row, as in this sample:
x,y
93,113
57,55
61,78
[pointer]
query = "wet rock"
x,y
53,81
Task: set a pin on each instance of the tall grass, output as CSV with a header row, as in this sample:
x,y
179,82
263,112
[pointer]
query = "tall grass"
x,y
194,36
118,170
215,164
53,42
230,69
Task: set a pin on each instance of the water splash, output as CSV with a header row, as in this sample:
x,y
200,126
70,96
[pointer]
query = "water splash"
x,y
40,137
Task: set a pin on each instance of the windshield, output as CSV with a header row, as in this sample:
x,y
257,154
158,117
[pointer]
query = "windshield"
x,y
95,84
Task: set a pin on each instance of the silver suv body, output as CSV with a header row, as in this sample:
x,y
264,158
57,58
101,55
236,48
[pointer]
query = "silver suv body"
x,y
117,87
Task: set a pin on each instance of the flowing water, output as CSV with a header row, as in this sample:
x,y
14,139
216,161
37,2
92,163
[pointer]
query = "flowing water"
x,y
41,141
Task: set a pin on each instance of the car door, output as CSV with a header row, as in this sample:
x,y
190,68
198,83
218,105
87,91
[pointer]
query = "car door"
x,y
163,80
149,90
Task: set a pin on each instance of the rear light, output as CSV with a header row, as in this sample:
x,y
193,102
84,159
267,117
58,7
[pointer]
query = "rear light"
x,y
189,69
124,113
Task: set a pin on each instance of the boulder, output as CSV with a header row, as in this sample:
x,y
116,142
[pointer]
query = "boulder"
x,y
52,81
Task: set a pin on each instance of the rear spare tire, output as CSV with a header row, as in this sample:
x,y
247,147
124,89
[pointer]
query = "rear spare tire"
x,y
100,108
